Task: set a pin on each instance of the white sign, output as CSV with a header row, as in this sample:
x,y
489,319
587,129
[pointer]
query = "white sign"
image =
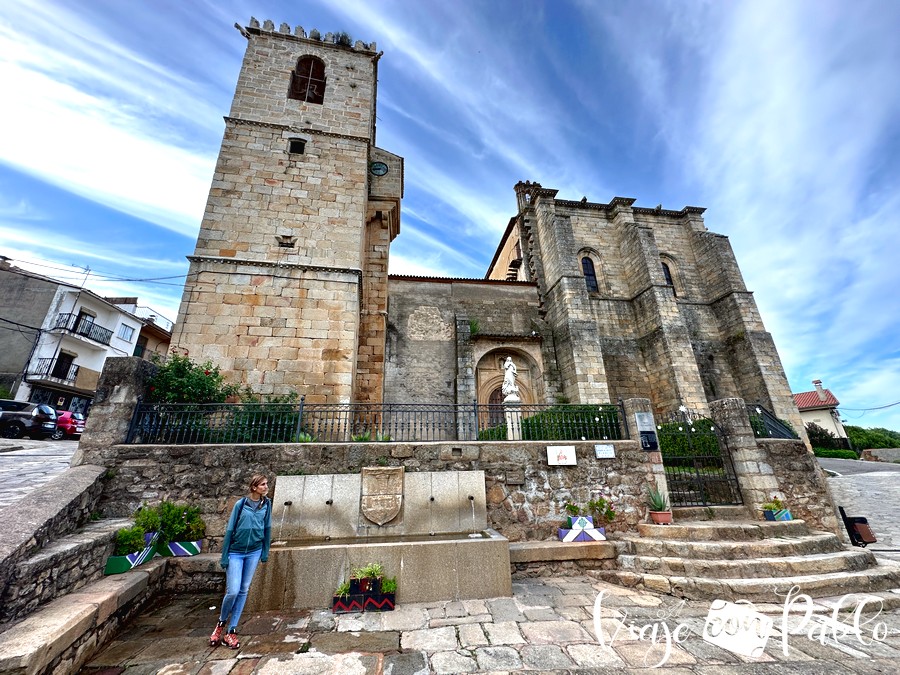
x,y
644,421
604,451
561,455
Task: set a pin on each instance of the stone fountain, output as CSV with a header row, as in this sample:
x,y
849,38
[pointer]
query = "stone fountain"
x,y
429,529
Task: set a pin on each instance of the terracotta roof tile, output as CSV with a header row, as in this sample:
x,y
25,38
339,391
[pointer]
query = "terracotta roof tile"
x,y
808,400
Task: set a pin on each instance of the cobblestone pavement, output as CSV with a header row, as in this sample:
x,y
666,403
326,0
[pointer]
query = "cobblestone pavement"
x,y
872,495
546,627
26,464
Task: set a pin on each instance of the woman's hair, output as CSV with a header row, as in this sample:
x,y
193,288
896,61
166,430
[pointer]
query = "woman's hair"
x,y
256,480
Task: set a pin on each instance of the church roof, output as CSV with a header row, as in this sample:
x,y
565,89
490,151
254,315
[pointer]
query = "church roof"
x,y
810,400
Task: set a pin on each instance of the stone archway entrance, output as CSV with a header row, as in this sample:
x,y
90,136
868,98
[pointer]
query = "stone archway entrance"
x,y
489,377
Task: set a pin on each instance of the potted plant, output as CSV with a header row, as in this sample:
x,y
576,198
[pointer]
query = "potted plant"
x,y
134,546
181,529
580,527
775,509
366,590
660,512
344,601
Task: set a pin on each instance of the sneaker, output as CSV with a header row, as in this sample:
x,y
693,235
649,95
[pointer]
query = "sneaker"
x,y
231,641
216,636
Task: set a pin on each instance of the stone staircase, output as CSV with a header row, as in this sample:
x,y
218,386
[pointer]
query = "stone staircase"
x,y
739,558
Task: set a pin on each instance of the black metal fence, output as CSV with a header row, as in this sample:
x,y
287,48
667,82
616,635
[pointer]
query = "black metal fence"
x,y
359,422
699,470
766,425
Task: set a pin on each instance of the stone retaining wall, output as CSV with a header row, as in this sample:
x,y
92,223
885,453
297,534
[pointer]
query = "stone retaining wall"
x,y
881,455
46,514
802,481
524,495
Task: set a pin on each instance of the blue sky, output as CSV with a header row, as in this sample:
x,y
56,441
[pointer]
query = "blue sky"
x,y
782,118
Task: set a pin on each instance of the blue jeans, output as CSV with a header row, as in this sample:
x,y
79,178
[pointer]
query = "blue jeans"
x,y
238,576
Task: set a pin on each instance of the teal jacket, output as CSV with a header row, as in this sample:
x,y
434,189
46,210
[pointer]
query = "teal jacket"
x,y
249,529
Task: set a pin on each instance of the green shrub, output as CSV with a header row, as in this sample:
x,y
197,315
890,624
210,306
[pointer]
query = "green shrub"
x,y
572,423
497,433
389,585
174,522
836,454
180,380
675,442
876,437
130,540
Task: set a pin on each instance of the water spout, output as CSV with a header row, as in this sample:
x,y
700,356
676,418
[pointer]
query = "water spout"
x,y
287,505
472,502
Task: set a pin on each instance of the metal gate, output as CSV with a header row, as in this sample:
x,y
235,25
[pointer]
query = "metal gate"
x,y
699,470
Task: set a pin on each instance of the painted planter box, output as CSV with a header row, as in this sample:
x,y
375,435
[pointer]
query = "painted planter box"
x,y
581,528
379,602
117,564
180,548
780,514
341,604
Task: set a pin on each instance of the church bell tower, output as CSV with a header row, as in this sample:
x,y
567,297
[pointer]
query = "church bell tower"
x,y
287,288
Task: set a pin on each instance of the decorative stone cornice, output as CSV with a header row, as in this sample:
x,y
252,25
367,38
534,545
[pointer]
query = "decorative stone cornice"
x,y
296,130
219,260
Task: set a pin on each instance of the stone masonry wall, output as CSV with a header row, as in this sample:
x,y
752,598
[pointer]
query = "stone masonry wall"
x,y
525,496
277,329
421,351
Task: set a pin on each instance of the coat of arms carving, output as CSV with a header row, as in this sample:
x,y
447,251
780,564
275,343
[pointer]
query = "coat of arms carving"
x,y
382,493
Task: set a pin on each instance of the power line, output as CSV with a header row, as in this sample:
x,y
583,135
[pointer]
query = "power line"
x,y
881,407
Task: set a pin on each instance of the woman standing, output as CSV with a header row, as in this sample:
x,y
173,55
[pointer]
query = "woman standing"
x,y
246,544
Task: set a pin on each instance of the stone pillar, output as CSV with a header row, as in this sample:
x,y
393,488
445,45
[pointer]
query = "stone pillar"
x,y
123,383
755,475
633,407
512,408
466,423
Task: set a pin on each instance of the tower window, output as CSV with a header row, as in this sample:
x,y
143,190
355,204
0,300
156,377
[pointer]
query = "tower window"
x,y
590,275
667,273
296,146
308,80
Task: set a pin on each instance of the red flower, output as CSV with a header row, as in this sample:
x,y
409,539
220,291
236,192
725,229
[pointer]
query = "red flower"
x,y
206,372
152,388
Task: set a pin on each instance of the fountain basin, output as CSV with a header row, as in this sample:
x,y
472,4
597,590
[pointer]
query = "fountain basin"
x,y
304,574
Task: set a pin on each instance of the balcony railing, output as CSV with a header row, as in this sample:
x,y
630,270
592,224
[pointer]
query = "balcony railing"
x,y
54,369
357,423
84,326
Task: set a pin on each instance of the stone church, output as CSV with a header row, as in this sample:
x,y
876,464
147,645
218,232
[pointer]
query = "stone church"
x,y
289,288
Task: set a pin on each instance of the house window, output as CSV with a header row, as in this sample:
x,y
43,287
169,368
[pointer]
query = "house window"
x,y
296,146
590,275
308,80
126,332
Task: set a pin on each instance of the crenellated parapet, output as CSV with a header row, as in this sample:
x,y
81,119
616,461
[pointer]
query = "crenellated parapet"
x,y
340,39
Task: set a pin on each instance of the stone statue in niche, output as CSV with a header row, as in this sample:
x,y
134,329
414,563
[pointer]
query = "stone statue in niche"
x,y
510,389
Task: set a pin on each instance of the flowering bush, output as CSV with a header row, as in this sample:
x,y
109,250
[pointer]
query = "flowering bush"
x,y
180,380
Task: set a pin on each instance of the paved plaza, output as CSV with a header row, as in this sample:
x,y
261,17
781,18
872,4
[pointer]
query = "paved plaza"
x,y
547,627
26,464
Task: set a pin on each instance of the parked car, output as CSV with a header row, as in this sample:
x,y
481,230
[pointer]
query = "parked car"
x,y
20,418
68,425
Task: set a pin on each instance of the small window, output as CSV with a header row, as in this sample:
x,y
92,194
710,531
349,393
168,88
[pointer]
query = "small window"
x,y
590,275
308,80
667,273
126,332
296,146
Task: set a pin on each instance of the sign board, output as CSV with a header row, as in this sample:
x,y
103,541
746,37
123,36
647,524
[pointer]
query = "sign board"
x,y
561,455
604,451
647,431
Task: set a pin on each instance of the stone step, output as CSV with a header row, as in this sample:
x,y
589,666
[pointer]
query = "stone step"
x,y
770,567
711,513
815,542
884,577
711,530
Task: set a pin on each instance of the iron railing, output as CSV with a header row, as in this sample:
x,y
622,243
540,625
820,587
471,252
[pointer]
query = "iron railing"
x,y
766,425
52,368
360,422
83,325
